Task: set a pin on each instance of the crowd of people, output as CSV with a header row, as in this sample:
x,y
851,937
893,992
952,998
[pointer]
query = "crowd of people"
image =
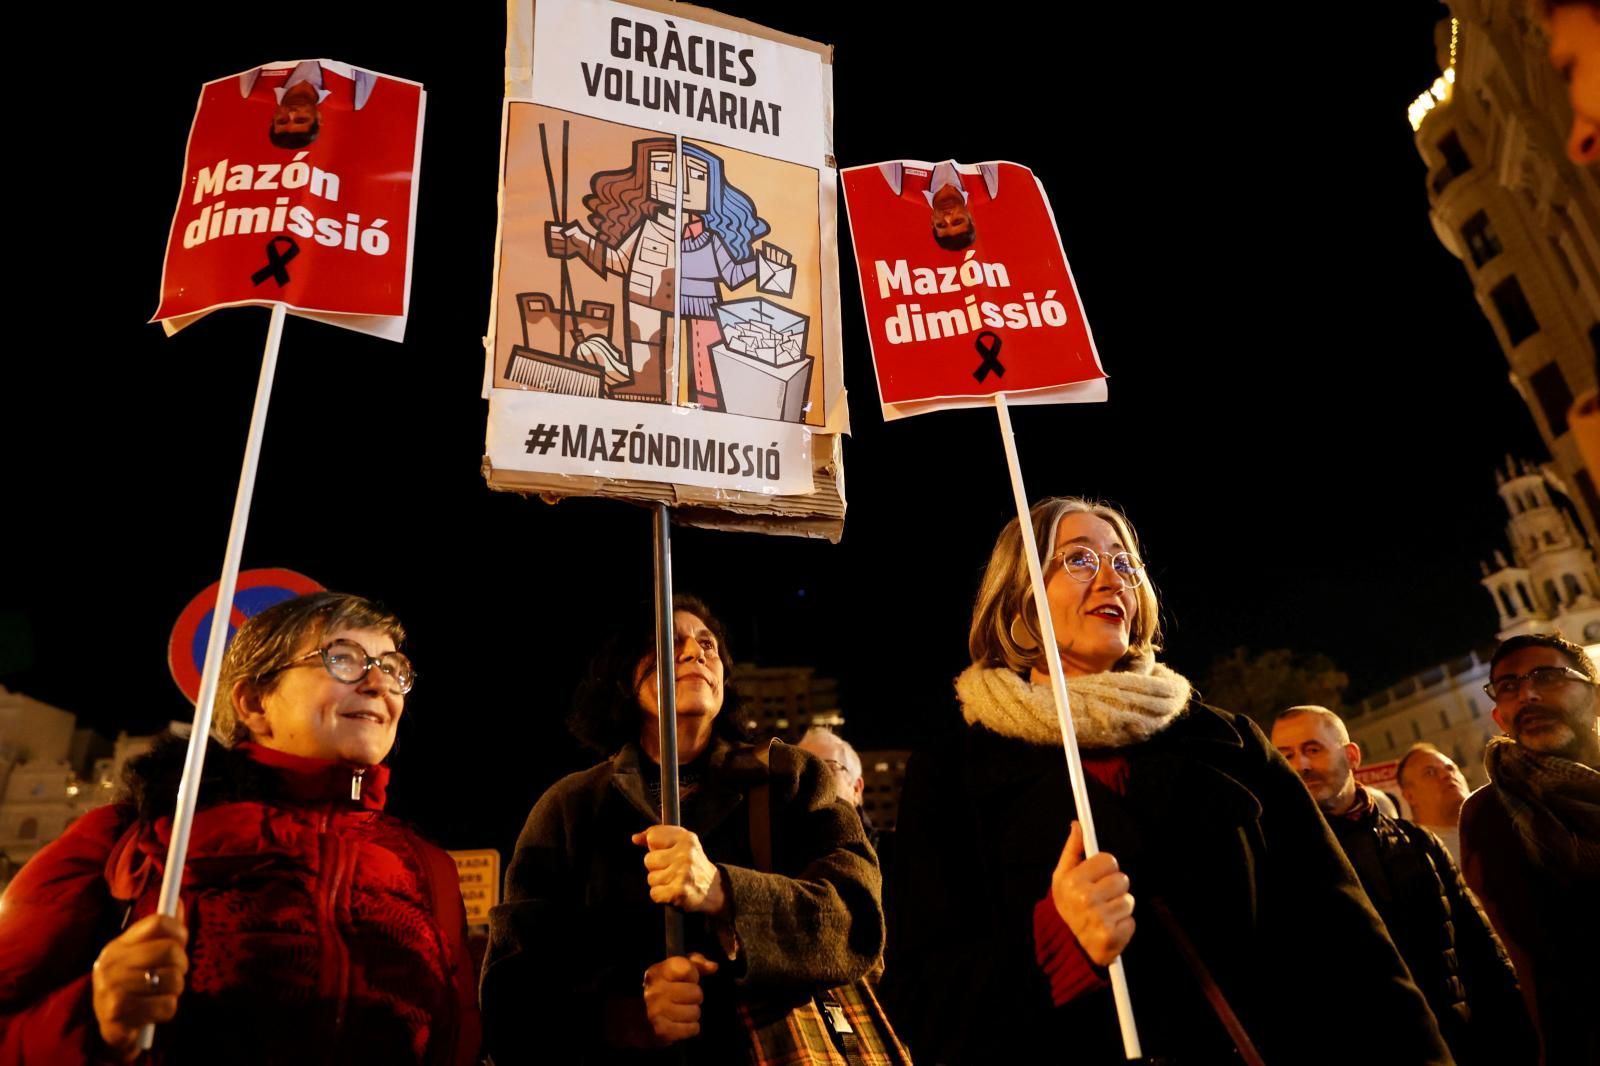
x,y
1245,879
1254,889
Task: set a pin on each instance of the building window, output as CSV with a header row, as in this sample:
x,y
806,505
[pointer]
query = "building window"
x,y
1550,596
29,829
1388,740
1555,398
1515,314
1505,603
1416,730
1476,713
1455,156
1481,239
1570,586
1522,590
1444,720
1566,264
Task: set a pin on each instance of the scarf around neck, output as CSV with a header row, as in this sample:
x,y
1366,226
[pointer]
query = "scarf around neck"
x,y
1109,710
1553,802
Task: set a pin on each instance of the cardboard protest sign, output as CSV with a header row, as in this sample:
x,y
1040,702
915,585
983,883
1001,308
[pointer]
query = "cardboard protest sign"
x,y
966,288
479,871
299,187
664,324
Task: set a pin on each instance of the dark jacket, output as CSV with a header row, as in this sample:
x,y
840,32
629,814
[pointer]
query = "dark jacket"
x,y
321,930
1443,935
1216,826
569,946
1550,924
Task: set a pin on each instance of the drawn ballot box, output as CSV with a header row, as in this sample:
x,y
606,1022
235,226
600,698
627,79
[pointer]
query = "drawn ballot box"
x,y
564,350
762,366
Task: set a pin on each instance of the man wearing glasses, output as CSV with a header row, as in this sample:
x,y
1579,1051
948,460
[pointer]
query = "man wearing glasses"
x,y
845,765
1530,839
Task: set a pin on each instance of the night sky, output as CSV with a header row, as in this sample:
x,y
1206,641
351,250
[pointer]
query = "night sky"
x,y
1306,408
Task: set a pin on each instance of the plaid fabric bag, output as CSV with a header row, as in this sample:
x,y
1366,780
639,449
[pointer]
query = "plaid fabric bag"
x,y
841,1026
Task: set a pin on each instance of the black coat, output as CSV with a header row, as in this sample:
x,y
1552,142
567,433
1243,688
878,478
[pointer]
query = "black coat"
x,y
1550,922
569,946
1444,937
1216,825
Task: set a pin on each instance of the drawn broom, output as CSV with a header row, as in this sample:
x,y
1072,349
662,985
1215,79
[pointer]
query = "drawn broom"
x,y
595,365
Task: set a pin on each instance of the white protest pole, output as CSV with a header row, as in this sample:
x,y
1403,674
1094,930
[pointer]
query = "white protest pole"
x,y
1058,685
194,762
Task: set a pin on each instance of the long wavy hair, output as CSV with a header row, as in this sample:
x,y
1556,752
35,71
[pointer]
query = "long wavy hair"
x,y
621,199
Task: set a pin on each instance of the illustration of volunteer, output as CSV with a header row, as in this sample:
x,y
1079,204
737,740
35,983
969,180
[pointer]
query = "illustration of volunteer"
x,y
631,211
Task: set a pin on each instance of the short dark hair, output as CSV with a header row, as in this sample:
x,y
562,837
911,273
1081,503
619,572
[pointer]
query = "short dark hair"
x,y
605,711
1577,657
272,638
295,138
954,242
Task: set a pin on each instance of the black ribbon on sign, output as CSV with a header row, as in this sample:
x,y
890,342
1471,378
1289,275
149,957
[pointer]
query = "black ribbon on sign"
x,y
988,345
277,260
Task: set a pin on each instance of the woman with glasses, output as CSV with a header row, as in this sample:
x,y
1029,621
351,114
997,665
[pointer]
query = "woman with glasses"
x,y
1249,922
577,971
314,927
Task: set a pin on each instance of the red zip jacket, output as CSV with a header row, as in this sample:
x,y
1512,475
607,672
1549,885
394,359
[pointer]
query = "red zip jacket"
x,y
320,928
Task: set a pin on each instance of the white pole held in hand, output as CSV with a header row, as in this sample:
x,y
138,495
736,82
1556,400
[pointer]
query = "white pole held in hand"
x,y
1058,685
189,787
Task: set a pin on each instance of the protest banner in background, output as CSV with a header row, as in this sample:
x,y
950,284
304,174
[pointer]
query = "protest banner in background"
x,y
299,187
665,322
1385,777
479,871
966,288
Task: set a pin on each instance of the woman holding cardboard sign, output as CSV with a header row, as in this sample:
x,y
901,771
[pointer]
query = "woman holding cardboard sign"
x,y
315,927
774,874
1216,867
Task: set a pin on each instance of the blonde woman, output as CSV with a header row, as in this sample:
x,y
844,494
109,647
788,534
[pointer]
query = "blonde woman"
x,y
1218,881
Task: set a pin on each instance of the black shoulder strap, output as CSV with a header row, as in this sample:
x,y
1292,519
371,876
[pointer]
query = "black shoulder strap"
x,y
760,800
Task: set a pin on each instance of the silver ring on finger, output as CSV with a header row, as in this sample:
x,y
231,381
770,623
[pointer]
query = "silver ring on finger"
x,y
152,981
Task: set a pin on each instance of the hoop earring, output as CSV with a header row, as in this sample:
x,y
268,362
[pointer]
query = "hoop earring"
x,y
1021,636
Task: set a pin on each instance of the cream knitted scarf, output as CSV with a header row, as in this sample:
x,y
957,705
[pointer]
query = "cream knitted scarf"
x,y
1109,710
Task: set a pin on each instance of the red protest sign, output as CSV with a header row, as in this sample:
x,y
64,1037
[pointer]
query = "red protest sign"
x,y
299,187
966,288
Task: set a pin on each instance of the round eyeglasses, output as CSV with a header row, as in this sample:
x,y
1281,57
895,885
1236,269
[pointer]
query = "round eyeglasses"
x,y
347,661
1544,678
1082,563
